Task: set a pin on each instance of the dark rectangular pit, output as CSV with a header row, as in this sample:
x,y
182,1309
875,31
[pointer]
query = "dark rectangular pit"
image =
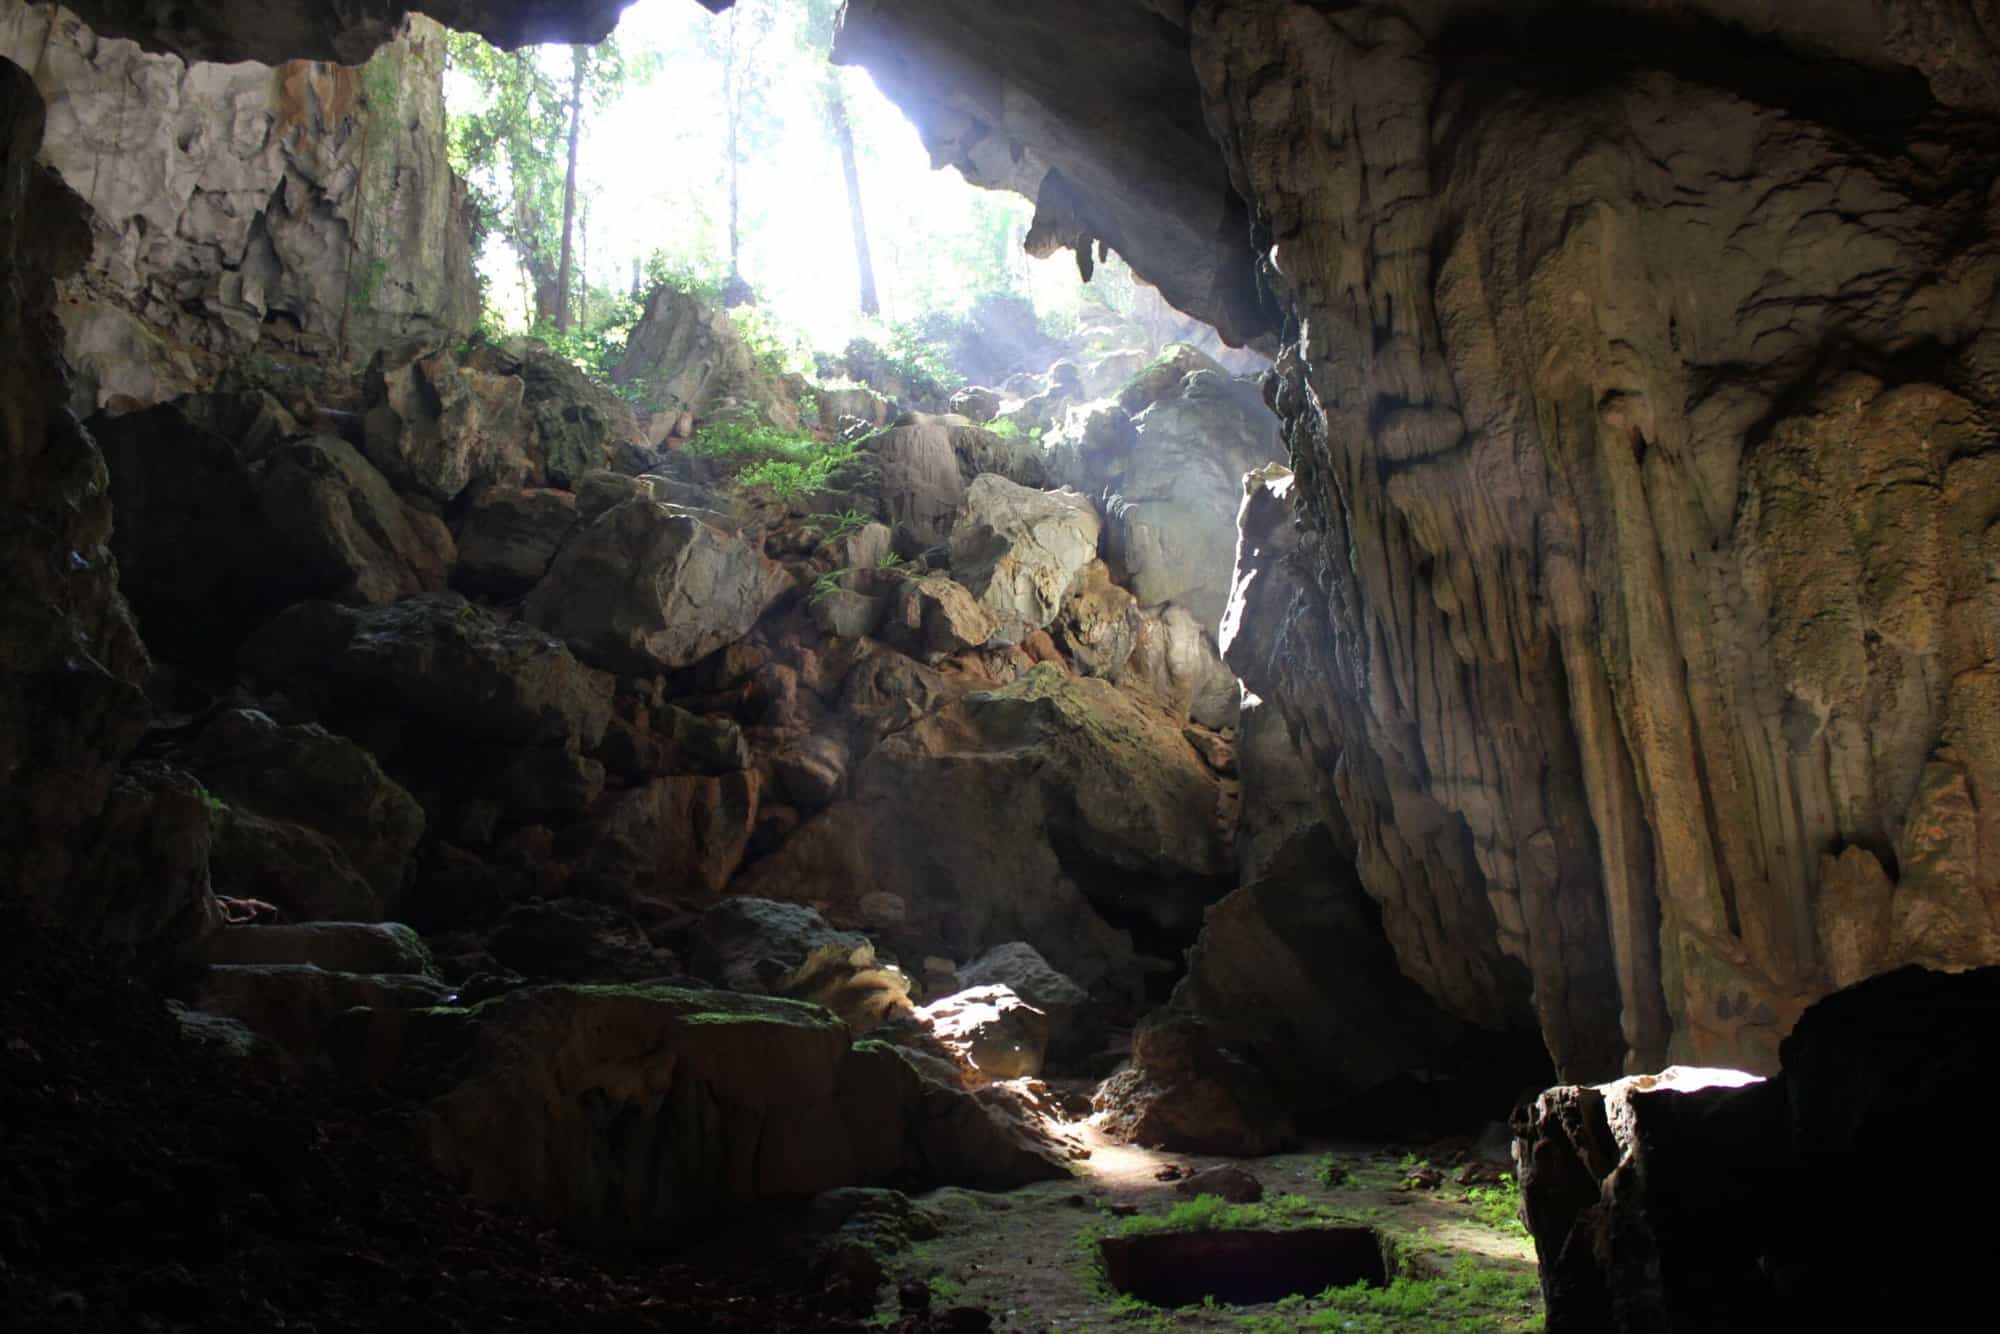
x,y
1242,1266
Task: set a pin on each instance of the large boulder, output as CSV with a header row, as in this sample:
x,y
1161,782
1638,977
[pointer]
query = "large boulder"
x,y
510,539
683,835
933,617
653,1108
686,356
925,463
346,947
649,587
1041,811
342,524
434,427
438,663
307,776
786,949
1713,1199
1021,552
293,1004
1074,1026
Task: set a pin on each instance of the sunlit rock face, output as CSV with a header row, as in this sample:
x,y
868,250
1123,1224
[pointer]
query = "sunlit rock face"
x,y
243,208
278,30
1633,605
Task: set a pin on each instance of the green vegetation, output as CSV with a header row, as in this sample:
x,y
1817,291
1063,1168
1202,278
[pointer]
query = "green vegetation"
x,y
833,527
786,464
1499,1206
1212,1212
827,585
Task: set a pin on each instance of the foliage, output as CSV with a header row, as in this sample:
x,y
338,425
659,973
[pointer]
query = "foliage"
x,y
786,465
1499,1206
833,527
828,584
1212,1212
1328,1172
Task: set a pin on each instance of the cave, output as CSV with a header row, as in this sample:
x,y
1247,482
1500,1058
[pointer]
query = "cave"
x,y
1430,771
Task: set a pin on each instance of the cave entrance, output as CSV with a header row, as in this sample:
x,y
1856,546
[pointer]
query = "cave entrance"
x,y
1242,1266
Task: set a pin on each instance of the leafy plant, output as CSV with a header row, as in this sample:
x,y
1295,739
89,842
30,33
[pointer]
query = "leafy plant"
x,y
1329,1172
1498,1206
1212,1212
833,527
827,585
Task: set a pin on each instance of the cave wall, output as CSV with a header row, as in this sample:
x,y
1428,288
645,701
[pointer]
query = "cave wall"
x,y
240,208
1639,376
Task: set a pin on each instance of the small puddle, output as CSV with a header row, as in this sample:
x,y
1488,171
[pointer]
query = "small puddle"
x,y
1242,1266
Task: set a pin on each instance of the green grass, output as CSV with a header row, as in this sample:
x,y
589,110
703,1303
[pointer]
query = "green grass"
x,y
1498,1207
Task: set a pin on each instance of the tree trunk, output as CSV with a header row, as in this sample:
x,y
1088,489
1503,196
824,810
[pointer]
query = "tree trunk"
x,y
729,102
580,56
843,133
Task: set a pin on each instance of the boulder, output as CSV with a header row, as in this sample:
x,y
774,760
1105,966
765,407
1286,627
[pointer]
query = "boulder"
x,y
922,480
433,427
1019,813
687,355
293,1004
510,538
812,771
990,1031
1074,1026
680,835
141,887
785,949
1020,552
1701,1198
1174,659
726,1099
339,947
579,425
306,776
1187,1093
577,940
441,665
648,587
846,614
297,869
1100,624
976,404
349,534
934,617
1226,1183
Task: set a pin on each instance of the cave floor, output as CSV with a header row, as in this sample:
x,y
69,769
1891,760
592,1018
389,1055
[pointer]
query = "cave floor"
x,y
1029,1256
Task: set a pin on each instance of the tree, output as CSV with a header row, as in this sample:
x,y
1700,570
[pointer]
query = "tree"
x,y
580,65
521,151
822,23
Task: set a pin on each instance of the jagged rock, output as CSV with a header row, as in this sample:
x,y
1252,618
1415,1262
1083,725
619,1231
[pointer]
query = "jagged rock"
x,y
576,940
442,664
297,869
853,403
307,776
813,771
686,356
1020,813
1228,1183
293,1004
1702,1198
1171,532
733,1099
976,404
863,549
142,884
1188,1093
1074,1025
990,1030
351,535
934,617
340,947
922,481
1100,624
533,784
682,835
510,538
649,587
844,613
306,208
783,949
1175,661
580,425
600,491
1020,552
434,427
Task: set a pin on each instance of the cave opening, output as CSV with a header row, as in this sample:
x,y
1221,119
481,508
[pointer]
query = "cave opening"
x,y
662,660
